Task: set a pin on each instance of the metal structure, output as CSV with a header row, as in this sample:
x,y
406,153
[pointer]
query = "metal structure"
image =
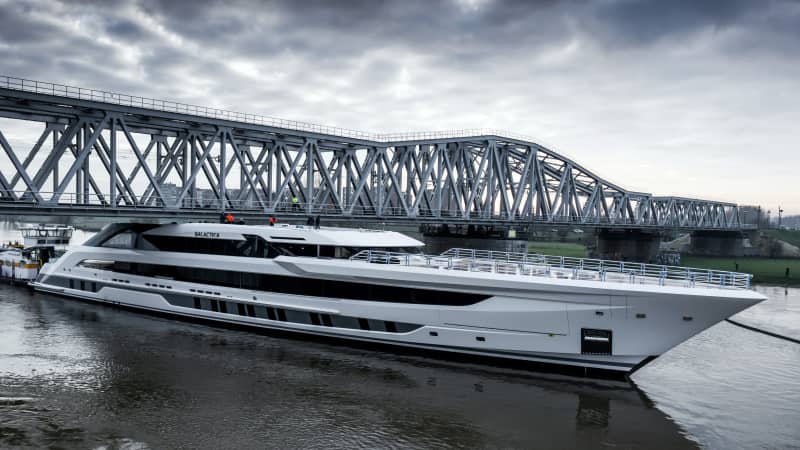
x,y
103,153
563,267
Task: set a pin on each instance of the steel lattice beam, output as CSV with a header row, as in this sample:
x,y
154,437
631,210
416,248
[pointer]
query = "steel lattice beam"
x,y
101,152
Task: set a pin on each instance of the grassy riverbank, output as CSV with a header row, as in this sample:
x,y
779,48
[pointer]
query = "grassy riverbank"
x,y
788,236
764,270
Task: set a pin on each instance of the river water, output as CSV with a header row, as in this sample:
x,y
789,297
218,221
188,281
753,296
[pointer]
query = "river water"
x,y
78,375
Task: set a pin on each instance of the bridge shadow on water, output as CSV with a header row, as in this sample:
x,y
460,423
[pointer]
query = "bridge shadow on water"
x,y
77,375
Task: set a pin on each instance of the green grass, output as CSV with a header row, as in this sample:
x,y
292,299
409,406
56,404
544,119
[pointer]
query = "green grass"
x,y
790,236
764,270
558,248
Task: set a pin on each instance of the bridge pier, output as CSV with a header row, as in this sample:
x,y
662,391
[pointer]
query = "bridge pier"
x,y
627,245
716,243
439,238
439,244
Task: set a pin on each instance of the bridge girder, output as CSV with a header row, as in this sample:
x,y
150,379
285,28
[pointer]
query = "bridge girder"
x,y
113,154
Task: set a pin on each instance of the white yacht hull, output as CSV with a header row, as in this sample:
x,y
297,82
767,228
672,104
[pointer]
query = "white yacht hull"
x,y
531,318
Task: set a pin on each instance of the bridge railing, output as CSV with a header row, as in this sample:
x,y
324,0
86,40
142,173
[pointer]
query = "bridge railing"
x,y
115,98
587,269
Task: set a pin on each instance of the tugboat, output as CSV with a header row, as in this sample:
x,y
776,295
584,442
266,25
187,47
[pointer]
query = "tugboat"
x,y
56,236
41,244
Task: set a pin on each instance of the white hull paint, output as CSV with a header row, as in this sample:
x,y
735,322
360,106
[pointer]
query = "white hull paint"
x,y
523,317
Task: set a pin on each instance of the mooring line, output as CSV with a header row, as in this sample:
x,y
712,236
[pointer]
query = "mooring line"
x,y
768,333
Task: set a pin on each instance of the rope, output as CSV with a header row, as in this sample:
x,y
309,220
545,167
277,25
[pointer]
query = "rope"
x,y
768,333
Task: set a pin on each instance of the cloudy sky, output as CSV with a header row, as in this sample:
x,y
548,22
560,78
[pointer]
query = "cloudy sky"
x,y
689,98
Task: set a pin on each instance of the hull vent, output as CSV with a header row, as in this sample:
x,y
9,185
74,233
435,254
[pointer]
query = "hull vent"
x,y
595,342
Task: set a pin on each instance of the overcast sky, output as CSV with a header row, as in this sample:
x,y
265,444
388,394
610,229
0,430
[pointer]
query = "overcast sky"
x,y
689,98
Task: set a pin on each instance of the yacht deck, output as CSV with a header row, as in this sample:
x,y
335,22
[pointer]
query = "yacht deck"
x,y
538,265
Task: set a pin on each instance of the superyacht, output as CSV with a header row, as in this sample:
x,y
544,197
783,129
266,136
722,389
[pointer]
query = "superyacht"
x,y
379,287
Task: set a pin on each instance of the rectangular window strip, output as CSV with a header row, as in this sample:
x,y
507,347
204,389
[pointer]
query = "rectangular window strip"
x,y
289,315
295,286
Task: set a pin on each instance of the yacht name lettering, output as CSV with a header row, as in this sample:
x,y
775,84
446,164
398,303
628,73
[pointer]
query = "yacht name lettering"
x,y
209,234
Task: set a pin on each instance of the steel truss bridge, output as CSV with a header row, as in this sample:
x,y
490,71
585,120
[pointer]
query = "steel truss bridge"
x,y
75,151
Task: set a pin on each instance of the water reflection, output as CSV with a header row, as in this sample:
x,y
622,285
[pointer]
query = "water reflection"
x,y
116,378
735,388
593,412
78,375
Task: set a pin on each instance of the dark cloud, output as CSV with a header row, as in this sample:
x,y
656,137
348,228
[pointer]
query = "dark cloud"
x,y
125,29
17,27
705,82
642,21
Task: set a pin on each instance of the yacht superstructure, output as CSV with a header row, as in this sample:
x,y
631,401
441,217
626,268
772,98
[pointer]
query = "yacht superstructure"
x,y
378,286
45,235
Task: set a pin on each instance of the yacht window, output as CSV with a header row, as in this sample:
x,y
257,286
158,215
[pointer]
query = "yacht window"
x,y
328,251
126,239
124,267
343,252
302,286
346,252
251,246
295,249
96,264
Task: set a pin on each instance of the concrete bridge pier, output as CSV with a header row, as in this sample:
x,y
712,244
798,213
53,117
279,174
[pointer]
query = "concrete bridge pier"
x,y
439,244
717,243
627,245
439,238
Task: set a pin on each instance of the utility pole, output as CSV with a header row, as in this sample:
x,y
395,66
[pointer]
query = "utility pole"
x,y
780,211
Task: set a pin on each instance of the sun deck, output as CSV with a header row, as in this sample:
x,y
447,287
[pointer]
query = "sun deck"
x,y
534,264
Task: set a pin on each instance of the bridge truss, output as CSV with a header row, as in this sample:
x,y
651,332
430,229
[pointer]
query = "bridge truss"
x,y
88,152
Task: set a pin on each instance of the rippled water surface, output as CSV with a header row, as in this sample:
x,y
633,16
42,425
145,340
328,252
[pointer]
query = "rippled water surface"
x,y
78,375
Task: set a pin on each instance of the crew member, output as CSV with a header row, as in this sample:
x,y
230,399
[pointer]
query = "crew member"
x,y
272,221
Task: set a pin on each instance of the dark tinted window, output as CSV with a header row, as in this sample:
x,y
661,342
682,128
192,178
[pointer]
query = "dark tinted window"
x,y
252,246
126,239
295,249
302,286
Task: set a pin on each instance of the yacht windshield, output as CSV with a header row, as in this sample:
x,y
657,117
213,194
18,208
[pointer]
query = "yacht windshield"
x,y
347,252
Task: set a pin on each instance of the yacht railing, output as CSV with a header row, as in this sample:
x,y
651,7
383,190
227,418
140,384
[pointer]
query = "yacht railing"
x,y
563,267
